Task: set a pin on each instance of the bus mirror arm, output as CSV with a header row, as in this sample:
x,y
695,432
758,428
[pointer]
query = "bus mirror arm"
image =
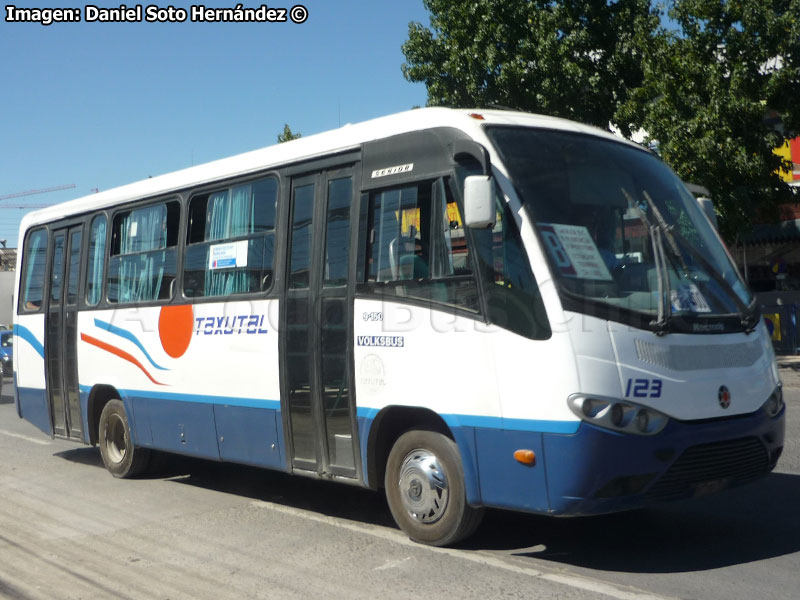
x,y
468,149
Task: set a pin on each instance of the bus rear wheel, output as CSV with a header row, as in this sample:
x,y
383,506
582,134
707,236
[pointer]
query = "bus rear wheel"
x,y
425,489
120,456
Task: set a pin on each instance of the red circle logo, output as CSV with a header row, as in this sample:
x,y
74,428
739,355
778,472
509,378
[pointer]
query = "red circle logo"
x,y
175,324
724,397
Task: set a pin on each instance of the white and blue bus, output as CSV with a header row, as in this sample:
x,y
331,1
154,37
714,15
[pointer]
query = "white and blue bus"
x,y
467,309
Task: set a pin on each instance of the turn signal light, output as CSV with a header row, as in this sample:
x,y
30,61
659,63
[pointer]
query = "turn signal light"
x,y
526,457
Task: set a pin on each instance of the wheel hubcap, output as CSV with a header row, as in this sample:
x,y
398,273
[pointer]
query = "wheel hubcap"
x,y
423,486
115,439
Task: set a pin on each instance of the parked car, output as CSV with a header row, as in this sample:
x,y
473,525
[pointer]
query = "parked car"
x,y
7,352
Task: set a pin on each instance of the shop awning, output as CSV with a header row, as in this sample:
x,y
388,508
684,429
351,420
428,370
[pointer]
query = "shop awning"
x,y
785,231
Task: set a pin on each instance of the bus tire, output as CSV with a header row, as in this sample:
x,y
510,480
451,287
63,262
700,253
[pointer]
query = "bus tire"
x,y
425,489
120,456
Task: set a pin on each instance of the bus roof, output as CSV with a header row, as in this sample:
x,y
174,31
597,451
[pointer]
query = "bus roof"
x,y
305,148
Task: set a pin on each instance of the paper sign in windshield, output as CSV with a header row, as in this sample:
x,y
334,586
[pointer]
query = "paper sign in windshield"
x,y
227,256
688,298
574,252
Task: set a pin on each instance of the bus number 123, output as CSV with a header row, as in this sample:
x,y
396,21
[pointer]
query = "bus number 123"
x,y
643,388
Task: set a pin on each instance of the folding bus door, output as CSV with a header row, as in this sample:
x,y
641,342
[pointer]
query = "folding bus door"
x,y
61,332
316,354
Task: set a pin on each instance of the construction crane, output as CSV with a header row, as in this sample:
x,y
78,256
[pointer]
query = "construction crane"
x,y
25,206
56,188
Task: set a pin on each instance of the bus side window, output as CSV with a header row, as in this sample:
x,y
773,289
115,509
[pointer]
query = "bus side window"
x,y
416,246
513,298
97,258
143,261
34,262
230,240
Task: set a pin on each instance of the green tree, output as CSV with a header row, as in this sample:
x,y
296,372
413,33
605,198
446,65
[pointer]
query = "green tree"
x,y
576,59
710,84
288,135
703,88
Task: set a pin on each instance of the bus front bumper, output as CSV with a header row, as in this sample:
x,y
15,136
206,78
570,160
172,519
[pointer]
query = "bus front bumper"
x,y
596,471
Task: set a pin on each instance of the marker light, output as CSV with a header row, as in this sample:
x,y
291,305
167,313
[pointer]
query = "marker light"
x,y
477,116
618,415
526,457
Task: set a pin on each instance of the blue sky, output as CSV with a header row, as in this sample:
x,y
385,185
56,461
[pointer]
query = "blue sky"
x,y
99,104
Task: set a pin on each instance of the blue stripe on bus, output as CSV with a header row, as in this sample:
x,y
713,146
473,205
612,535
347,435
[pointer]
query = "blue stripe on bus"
x,y
367,413
27,335
537,425
124,333
499,423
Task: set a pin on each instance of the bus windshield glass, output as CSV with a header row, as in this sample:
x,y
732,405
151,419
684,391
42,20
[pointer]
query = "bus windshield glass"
x,y
619,228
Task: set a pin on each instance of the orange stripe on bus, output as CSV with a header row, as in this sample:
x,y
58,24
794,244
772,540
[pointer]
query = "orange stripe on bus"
x,y
117,352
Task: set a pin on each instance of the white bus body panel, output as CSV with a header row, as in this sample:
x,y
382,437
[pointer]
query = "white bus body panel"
x,y
691,368
232,353
460,368
29,364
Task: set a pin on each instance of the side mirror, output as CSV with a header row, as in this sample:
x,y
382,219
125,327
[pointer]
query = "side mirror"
x,y
479,202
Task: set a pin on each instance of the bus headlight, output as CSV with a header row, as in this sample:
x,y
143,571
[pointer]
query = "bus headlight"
x,y
774,404
617,415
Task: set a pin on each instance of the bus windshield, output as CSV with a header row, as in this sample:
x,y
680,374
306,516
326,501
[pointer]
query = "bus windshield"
x,y
621,231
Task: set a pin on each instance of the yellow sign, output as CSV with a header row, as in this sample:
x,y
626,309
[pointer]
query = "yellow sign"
x,y
773,321
785,152
411,218
790,151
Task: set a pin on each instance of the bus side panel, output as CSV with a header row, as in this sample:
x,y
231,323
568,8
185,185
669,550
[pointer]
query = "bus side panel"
x,y
29,370
497,391
506,483
418,357
182,427
190,375
248,435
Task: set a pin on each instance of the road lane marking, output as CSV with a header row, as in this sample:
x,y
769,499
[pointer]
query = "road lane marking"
x,y
595,586
32,440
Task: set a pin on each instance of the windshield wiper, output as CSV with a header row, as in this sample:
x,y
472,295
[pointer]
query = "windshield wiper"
x,y
748,318
660,229
662,324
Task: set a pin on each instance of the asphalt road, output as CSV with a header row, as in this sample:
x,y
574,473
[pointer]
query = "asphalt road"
x,y
203,530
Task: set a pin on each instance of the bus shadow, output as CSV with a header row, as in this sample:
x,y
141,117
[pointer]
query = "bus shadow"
x,y
742,525
747,524
85,455
321,497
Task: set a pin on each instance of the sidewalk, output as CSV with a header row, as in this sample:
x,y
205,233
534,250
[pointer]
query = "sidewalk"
x,y
788,361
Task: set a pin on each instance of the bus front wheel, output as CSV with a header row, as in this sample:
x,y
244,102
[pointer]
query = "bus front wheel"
x,y
119,455
425,489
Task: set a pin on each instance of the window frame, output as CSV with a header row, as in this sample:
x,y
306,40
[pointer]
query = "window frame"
x,y
129,207
21,310
376,289
84,297
184,245
545,331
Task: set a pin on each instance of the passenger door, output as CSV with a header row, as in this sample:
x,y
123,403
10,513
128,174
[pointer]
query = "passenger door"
x,y
316,325
61,331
